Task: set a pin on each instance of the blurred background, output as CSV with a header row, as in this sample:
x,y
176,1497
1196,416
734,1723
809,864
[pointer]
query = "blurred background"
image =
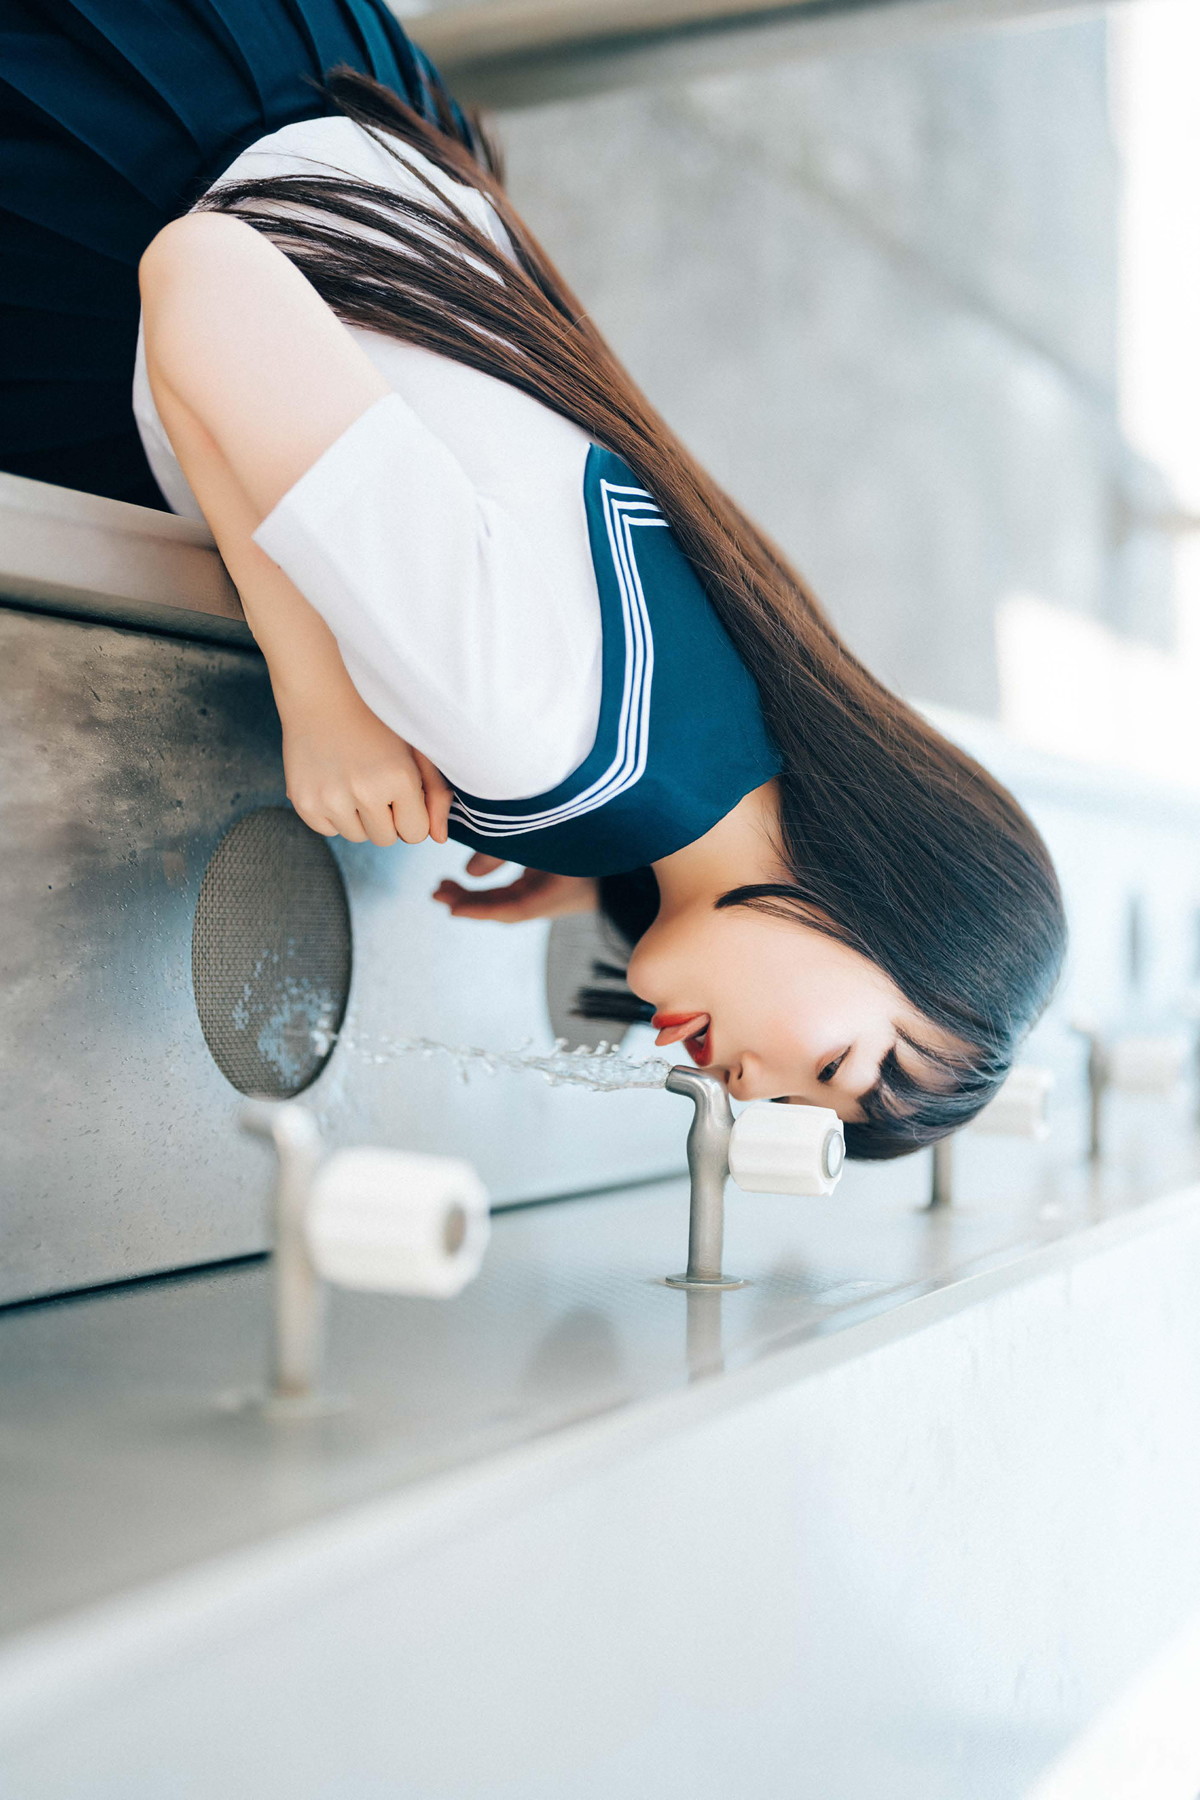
x,y
928,308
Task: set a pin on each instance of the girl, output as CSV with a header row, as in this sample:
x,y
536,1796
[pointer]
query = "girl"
x,y
497,599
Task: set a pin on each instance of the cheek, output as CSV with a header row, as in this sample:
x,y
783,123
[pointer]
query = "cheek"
x,y
774,981
779,1034
755,994
792,1009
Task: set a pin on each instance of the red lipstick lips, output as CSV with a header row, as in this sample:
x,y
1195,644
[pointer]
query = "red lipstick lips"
x,y
672,1028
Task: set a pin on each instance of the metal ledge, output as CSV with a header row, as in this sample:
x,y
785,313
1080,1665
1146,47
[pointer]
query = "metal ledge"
x,y
179,1472
513,53
915,1437
87,557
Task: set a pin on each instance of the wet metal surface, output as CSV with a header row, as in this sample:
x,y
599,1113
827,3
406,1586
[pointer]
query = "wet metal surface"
x,y
124,759
126,1456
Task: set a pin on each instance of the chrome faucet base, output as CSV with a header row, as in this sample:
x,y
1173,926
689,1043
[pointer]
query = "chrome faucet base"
x,y
705,1281
270,1405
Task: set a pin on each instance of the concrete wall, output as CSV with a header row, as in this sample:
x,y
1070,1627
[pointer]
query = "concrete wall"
x,y
877,293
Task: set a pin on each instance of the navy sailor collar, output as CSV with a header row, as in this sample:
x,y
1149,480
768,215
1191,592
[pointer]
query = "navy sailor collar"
x,y
680,738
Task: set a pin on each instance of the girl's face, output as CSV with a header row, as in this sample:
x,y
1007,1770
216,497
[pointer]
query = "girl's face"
x,y
774,1006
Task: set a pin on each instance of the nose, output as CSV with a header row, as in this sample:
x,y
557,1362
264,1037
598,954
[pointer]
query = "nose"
x,y
740,1081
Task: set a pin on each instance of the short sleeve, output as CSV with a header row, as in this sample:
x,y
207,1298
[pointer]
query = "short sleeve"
x,y
443,611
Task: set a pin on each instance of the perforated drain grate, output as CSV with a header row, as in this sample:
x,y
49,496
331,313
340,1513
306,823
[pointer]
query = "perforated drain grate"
x,y
271,954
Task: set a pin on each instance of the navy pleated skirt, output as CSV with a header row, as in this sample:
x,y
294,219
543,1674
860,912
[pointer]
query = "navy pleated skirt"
x,y
115,115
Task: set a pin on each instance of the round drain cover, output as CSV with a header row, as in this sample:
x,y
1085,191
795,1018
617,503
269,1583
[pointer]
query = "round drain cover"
x,y
271,954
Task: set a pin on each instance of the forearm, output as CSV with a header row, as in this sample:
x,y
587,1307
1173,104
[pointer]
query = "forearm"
x,y
347,772
301,653
307,672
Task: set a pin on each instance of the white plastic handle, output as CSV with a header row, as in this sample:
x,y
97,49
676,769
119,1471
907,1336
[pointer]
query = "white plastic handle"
x,y
1148,1065
787,1149
395,1221
1021,1107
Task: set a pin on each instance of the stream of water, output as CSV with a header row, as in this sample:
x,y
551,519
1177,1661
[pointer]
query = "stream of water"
x,y
603,1069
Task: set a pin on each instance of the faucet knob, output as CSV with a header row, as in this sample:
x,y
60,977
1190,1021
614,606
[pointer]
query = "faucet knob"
x,y
1021,1106
787,1149
1149,1064
399,1222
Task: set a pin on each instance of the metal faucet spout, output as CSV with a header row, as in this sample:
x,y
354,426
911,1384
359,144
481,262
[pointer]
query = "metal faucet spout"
x,y
708,1166
299,1298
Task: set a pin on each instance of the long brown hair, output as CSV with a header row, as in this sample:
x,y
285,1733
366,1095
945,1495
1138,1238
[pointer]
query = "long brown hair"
x,y
897,843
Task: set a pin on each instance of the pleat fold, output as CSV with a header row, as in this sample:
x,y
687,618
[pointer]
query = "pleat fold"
x,y
114,116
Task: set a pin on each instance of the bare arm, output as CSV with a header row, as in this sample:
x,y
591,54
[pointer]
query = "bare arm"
x,y
254,379
236,333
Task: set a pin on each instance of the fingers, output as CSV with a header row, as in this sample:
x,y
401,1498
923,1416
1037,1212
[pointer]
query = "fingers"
x,y
535,894
322,819
483,864
380,820
509,905
362,781
377,821
438,797
510,911
411,820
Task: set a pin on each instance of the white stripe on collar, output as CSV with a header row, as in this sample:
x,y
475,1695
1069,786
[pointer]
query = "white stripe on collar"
x,y
625,508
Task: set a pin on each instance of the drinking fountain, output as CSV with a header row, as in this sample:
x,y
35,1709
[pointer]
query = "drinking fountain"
x,y
1132,1063
381,1221
1020,1109
769,1149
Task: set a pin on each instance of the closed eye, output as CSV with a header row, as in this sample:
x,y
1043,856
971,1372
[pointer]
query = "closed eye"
x,y
831,1068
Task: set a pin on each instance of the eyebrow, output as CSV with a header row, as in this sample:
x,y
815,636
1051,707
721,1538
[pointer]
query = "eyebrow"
x,y
877,1085
863,1100
876,1088
874,1100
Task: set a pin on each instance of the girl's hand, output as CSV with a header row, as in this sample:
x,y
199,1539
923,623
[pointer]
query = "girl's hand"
x,y
349,775
535,894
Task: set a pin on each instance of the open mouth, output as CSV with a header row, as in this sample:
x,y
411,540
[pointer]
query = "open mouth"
x,y
692,1030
